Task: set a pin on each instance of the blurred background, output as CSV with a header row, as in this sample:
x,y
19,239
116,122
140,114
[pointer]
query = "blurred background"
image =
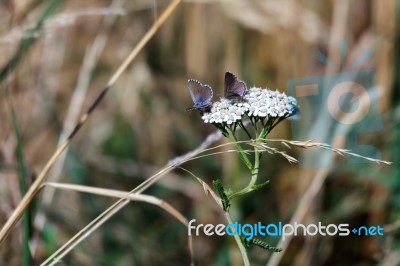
x,y
49,77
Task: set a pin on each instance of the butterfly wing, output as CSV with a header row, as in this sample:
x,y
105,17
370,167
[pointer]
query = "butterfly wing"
x,y
233,86
201,94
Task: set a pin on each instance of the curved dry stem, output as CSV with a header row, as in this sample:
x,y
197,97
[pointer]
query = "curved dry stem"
x,y
101,219
107,214
208,190
122,194
206,187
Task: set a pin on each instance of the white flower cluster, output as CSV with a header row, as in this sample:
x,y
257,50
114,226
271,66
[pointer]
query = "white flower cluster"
x,y
264,102
225,111
256,103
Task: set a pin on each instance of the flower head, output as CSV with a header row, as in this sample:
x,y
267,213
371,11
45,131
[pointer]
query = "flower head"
x,y
268,103
225,111
257,103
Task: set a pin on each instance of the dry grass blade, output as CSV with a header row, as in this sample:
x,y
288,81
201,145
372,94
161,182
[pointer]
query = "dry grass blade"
x,y
107,214
308,144
206,187
312,144
16,215
123,194
120,194
262,147
90,60
213,137
98,221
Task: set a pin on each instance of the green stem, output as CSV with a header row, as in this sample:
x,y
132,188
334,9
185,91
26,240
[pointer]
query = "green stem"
x,y
244,128
26,218
256,126
254,172
239,242
271,126
254,175
266,129
242,153
262,122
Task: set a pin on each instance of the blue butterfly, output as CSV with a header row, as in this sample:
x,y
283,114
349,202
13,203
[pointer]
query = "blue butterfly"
x,y
201,95
234,89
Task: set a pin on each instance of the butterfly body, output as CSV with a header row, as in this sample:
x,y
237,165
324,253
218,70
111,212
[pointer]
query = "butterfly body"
x,y
235,89
201,95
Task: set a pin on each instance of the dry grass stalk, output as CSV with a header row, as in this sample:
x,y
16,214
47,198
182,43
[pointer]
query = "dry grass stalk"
x,y
27,199
125,195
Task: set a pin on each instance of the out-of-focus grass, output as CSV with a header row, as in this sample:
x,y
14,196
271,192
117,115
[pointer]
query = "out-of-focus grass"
x,y
393,181
143,123
28,40
4,72
23,181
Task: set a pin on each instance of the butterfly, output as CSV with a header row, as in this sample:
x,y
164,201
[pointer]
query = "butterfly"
x,y
234,89
201,95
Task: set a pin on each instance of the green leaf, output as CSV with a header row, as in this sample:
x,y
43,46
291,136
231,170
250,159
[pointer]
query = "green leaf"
x,y
262,244
222,193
